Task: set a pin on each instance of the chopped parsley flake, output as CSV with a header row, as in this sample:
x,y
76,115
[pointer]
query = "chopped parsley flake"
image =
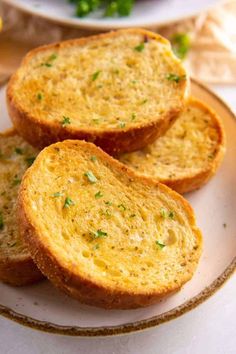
x,y
39,96
18,151
16,181
57,194
50,59
174,77
48,65
98,234
108,213
140,47
122,207
1,221
96,121
144,101
163,213
160,245
90,176
95,75
93,158
30,160
65,121
108,203
133,116
68,202
96,247
98,195
122,125
171,215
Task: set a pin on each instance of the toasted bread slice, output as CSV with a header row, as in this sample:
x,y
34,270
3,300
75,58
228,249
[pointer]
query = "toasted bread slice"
x,y
16,265
119,90
101,233
188,155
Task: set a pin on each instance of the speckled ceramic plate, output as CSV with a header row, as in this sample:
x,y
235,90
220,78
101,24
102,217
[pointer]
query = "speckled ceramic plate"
x,y
43,307
146,13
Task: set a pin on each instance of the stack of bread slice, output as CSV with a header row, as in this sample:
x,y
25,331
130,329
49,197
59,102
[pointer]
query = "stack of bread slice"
x,y
109,233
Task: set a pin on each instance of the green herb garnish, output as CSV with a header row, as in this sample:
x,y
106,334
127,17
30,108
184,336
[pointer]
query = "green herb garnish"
x,y
48,65
171,215
93,158
18,151
133,116
95,75
181,44
108,213
108,203
122,125
50,59
65,121
98,195
1,221
98,234
111,8
163,213
96,247
53,57
144,101
174,77
140,47
39,96
122,207
90,176
96,121
30,160
160,245
16,181
68,202
57,194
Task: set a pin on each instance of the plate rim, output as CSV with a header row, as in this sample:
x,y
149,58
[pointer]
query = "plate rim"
x,y
133,327
107,27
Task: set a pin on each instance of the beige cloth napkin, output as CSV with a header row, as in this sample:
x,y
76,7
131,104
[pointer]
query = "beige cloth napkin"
x,y
211,58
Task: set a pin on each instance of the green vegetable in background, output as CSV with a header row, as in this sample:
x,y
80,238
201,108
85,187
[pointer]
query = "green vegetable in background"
x,y
111,7
181,44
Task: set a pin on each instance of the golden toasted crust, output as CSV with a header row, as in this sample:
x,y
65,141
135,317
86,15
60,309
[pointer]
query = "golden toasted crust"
x,y
16,266
42,132
165,155
19,272
60,266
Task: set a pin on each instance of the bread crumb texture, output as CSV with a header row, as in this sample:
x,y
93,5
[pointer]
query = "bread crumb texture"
x,y
102,223
187,149
15,157
113,81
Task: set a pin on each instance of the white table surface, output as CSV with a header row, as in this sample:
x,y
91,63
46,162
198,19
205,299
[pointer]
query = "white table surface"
x,y
209,329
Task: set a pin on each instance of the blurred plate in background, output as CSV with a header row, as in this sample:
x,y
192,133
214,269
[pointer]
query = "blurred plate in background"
x,y
146,13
